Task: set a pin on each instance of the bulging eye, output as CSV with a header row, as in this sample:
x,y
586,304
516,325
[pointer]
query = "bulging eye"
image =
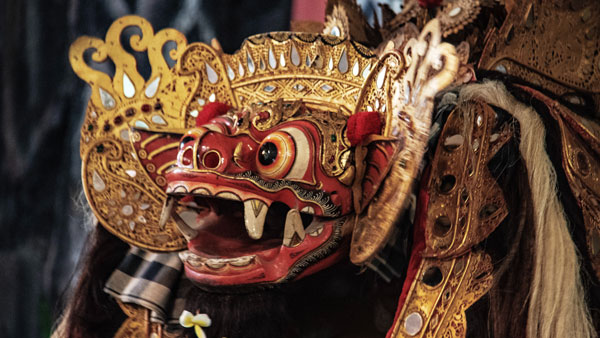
x,y
276,155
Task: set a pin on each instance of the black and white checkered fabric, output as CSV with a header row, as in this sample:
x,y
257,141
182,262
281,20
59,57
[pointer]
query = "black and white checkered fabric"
x,y
150,280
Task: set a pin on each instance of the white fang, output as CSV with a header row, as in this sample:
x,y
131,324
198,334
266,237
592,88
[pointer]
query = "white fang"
x,y
293,227
255,212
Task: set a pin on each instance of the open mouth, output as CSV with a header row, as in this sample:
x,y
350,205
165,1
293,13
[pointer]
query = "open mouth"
x,y
233,242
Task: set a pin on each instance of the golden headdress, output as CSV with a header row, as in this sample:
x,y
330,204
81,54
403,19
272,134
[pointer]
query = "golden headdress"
x,y
125,183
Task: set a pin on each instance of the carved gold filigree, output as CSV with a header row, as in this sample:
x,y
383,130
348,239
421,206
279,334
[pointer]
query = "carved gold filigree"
x,y
466,203
292,66
410,10
435,306
345,19
136,325
533,45
139,325
120,191
336,23
404,84
453,16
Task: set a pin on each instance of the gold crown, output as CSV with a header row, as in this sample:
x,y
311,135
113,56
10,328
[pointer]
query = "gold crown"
x,y
123,170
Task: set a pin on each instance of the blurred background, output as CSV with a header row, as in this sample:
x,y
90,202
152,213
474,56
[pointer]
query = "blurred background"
x,y
43,214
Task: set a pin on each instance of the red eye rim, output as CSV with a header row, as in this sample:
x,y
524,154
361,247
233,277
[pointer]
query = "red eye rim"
x,y
286,154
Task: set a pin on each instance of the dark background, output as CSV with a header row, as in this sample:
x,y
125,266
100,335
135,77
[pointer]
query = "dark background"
x,y
43,222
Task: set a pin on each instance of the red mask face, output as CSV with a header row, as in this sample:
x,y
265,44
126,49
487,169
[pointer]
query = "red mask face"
x,y
270,193
257,196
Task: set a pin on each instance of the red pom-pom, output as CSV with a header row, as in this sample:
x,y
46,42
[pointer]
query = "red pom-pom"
x,y
210,111
361,125
429,3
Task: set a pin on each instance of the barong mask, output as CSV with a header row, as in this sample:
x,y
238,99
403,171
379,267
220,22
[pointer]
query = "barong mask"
x,y
269,164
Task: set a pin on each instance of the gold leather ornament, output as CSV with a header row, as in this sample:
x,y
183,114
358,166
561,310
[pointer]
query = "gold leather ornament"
x,y
345,19
121,192
430,66
466,203
139,325
436,307
561,56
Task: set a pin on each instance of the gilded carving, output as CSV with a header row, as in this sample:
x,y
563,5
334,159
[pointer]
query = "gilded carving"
x,y
466,203
441,293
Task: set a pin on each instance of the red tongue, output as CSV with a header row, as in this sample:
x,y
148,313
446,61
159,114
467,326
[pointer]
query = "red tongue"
x,y
210,244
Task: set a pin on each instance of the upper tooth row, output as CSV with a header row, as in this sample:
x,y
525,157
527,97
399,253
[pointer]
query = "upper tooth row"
x,y
226,195
215,263
255,213
182,189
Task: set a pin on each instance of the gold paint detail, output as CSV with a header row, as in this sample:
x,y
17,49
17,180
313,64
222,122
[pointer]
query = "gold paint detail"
x,y
346,20
452,15
237,154
139,195
257,206
465,279
136,325
162,149
336,23
147,141
211,152
165,166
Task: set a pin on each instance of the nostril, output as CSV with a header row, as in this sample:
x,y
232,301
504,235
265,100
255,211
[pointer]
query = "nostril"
x,y
187,157
184,141
211,159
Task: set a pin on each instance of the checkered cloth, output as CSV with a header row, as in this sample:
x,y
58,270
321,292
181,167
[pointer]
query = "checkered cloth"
x,y
150,280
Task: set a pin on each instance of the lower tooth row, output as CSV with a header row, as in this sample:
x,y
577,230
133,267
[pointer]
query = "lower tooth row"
x,y
241,261
316,232
215,263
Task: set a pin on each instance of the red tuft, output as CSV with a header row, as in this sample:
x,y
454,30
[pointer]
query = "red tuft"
x,y
210,111
361,125
429,3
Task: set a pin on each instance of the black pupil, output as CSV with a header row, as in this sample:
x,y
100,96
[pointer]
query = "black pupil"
x,y
267,153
